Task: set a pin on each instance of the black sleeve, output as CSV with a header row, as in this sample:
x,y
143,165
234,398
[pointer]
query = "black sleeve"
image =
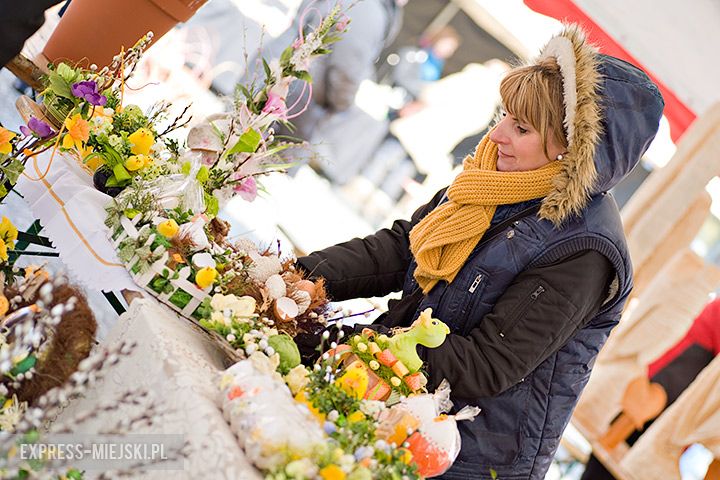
x,y
20,21
538,313
367,267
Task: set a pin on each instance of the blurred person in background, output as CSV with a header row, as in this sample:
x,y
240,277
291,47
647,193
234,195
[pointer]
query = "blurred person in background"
x,y
338,75
675,370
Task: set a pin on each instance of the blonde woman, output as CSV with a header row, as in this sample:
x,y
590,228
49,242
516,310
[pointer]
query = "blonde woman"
x,y
523,255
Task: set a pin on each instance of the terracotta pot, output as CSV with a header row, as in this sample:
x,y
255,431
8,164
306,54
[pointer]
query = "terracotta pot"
x,y
93,31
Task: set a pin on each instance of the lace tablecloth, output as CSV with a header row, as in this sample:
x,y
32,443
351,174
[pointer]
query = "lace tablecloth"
x,y
180,366
62,196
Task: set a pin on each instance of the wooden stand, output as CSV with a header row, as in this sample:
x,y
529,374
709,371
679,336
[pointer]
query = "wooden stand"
x,y
642,401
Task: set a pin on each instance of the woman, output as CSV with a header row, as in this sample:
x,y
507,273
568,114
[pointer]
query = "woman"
x,y
523,256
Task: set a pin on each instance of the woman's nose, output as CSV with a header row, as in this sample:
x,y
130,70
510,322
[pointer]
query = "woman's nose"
x,y
498,133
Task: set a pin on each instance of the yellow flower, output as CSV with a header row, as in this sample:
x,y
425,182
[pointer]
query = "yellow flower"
x,y
3,251
206,277
332,472
356,416
355,380
407,456
94,162
5,137
168,228
78,132
8,232
135,162
4,305
142,141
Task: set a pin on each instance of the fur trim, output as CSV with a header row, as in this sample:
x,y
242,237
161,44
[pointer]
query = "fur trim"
x,y
561,48
572,186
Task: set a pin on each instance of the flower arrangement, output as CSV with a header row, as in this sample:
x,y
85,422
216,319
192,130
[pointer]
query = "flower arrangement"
x,y
164,223
16,150
348,435
117,142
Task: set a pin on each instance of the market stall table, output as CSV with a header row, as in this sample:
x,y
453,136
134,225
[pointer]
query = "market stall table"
x,y
179,366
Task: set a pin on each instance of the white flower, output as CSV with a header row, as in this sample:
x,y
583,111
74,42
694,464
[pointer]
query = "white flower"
x,y
297,378
218,317
243,307
115,141
11,415
195,230
265,364
303,468
203,259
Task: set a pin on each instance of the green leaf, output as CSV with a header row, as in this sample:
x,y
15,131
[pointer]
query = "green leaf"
x,y
74,474
111,157
203,174
247,143
13,170
112,182
212,207
121,173
67,73
185,169
304,76
286,56
26,364
266,67
493,474
60,86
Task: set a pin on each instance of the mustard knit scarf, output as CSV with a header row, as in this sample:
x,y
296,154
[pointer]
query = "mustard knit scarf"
x,y
442,241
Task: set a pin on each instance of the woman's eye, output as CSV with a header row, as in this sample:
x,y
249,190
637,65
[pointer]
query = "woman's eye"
x,y
522,130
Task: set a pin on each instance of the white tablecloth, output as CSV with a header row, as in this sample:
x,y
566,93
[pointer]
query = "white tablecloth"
x,y
180,366
73,214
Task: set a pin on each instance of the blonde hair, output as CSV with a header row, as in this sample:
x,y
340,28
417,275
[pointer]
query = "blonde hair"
x,y
533,94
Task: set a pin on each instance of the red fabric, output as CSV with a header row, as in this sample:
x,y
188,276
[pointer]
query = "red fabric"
x,y
678,114
705,331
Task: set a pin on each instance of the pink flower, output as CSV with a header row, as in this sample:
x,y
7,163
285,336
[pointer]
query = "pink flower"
x,y
247,189
298,43
342,23
275,105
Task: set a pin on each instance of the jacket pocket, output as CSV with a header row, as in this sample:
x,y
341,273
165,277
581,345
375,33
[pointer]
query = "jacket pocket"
x,y
455,307
521,309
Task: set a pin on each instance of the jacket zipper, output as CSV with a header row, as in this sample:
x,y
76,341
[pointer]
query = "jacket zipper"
x,y
523,308
475,283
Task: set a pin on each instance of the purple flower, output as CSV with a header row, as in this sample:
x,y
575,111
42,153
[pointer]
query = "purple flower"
x,y
88,91
38,128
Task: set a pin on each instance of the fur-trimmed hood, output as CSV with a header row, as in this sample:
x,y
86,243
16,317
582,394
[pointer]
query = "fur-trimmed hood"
x,y
612,115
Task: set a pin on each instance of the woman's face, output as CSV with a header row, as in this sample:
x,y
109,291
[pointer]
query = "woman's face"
x,y
520,147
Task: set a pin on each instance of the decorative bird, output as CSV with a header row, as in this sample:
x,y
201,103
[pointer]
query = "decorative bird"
x,y
426,331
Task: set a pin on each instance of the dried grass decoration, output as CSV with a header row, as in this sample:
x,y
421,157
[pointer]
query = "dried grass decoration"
x,y
52,321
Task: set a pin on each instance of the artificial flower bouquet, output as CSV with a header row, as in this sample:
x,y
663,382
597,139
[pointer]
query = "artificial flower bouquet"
x,y
164,222
16,150
115,142
348,434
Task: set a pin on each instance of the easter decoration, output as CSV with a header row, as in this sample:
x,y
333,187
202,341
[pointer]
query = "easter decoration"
x,y
391,362
355,430
167,192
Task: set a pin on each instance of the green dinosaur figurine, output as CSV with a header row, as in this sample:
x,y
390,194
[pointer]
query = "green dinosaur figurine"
x,y
426,331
